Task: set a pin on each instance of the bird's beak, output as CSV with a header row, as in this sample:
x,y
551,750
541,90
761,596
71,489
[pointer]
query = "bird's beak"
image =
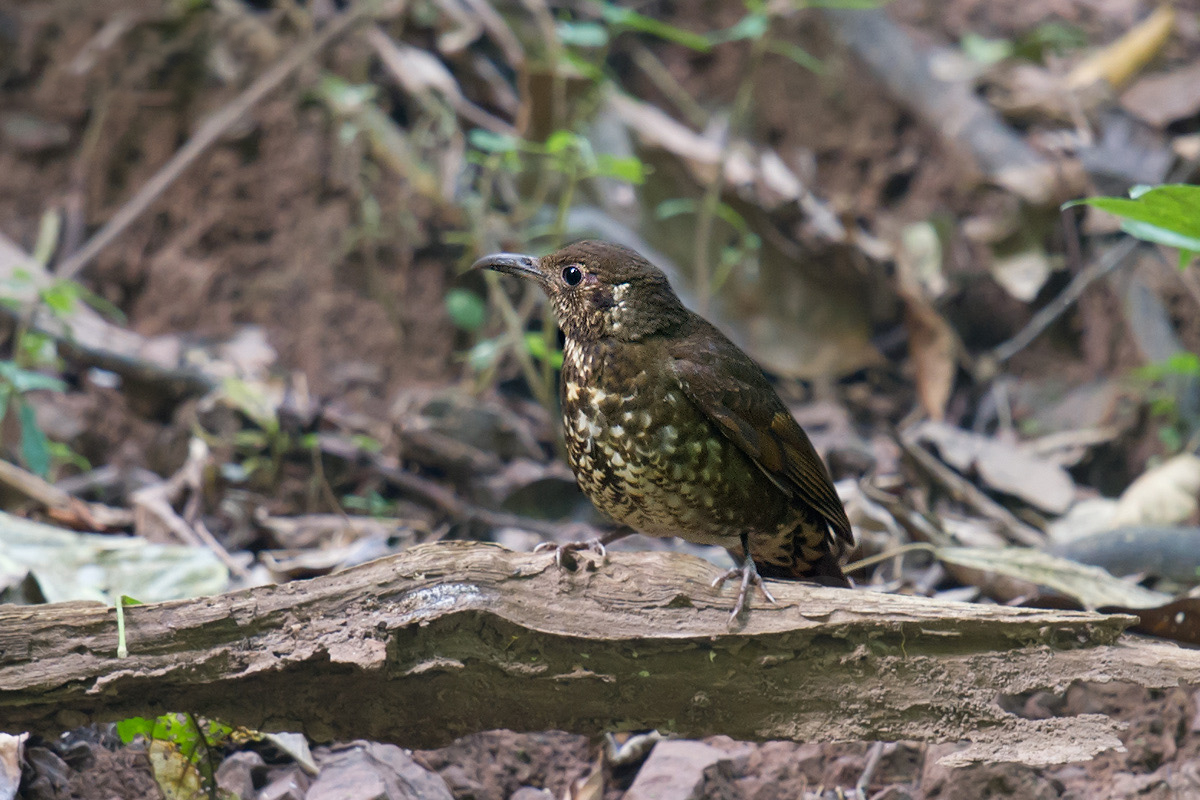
x,y
512,264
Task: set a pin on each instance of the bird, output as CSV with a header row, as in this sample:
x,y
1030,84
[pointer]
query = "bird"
x,y
672,430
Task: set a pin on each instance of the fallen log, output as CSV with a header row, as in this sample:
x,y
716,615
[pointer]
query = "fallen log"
x,y
451,638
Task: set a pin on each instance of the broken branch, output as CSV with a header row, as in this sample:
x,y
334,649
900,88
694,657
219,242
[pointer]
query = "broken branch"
x,y
447,639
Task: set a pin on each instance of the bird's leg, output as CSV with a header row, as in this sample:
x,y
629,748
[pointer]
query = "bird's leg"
x,y
563,553
750,577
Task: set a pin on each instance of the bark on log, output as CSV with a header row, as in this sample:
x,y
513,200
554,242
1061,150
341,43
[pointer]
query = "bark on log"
x,y
447,639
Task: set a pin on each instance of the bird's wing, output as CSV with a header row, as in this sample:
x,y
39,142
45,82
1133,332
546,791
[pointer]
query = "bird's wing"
x,y
732,391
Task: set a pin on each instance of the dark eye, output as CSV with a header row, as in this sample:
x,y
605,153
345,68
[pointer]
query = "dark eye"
x,y
572,275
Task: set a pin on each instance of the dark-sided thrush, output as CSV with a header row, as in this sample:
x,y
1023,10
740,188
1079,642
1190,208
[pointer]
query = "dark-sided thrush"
x,y
672,430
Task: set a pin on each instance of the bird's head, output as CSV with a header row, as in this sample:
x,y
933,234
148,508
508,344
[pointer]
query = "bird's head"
x,y
599,290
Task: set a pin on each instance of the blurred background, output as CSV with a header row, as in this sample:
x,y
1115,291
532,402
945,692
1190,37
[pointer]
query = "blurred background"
x,y
237,322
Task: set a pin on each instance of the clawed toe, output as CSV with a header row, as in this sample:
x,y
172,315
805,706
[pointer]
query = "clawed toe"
x,y
749,577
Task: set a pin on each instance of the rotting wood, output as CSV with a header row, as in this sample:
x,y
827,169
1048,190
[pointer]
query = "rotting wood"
x,y
443,640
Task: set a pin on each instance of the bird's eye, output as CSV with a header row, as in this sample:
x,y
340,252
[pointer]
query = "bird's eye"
x,y
572,275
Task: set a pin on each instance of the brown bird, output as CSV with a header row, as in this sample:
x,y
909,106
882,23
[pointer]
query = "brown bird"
x,y
672,430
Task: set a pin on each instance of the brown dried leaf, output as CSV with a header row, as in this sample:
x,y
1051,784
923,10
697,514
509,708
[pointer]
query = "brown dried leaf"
x,y
932,346
589,786
1178,620
1164,98
1002,466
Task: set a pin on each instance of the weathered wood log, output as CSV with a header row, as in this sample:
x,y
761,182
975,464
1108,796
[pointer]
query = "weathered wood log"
x,y
452,638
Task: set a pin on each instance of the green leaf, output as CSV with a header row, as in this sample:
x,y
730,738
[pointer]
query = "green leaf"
x,y
466,309
984,50
1181,364
26,380
582,34
1167,215
560,142
130,729
35,447
1056,38
1174,207
366,443
61,453
61,297
800,56
37,350
484,354
536,345
49,233
1159,235
628,18
751,26
490,142
585,68
628,168
98,303
674,207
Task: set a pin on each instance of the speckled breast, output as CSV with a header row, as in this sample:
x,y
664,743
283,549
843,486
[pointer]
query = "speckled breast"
x,y
650,459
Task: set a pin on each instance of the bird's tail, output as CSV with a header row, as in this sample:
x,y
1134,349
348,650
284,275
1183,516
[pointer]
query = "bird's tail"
x,y
815,557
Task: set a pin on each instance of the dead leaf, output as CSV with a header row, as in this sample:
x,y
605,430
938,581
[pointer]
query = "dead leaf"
x,y
1166,97
1088,516
12,754
919,260
1120,61
1023,274
1178,620
1091,587
1002,466
932,345
589,786
1166,495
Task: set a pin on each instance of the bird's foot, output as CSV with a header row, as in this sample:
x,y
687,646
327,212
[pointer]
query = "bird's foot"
x,y
564,554
750,577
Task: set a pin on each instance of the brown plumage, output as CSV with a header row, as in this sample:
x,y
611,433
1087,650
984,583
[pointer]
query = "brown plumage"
x,y
672,430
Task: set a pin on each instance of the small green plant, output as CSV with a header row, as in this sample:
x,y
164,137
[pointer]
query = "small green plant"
x,y
1166,381
182,751
373,504
526,187
746,250
34,354
1049,38
1167,215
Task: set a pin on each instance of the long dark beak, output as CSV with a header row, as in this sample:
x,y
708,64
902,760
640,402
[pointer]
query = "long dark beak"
x,y
512,264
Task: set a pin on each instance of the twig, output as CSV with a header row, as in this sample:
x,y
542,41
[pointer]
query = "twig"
x,y
60,503
156,502
434,494
399,61
209,132
449,503
1047,315
665,82
965,491
712,193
